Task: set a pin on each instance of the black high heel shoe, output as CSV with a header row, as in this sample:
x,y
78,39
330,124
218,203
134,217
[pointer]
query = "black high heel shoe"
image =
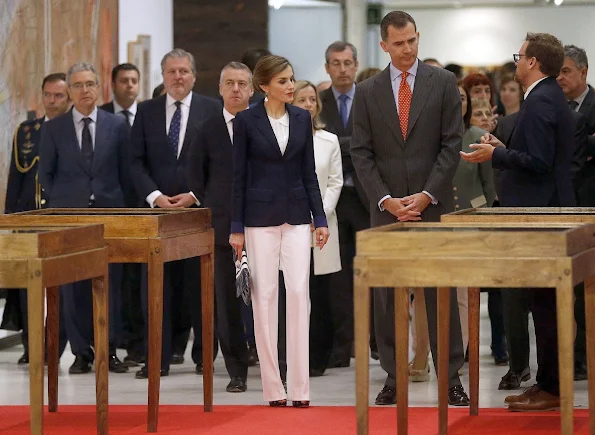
x,y
300,403
278,403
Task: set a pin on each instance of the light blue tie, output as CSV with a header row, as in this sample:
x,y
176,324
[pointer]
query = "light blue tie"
x,y
343,111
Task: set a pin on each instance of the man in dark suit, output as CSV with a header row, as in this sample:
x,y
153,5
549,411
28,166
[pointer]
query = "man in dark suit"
x,y
536,172
210,174
84,163
407,132
161,135
516,305
352,208
125,85
23,190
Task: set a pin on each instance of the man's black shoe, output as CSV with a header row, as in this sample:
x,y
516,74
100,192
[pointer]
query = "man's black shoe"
x,y
252,356
24,359
144,373
80,366
580,372
512,380
177,358
335,362
374,355
199,369
133,360
387,396
457,396
116,366
315,373
236,385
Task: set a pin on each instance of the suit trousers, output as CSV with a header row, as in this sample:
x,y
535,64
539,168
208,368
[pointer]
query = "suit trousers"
x,y
516,307
580,341
78,313
321,325
133,323
230,327
268,248
384,313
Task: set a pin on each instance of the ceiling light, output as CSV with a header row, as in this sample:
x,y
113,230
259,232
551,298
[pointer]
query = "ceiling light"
x,y
558,2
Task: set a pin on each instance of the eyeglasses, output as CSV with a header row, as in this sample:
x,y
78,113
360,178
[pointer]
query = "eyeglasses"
x,y
516,57
79,86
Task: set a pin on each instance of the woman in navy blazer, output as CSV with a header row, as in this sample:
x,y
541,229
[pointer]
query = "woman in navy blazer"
x,y
275,200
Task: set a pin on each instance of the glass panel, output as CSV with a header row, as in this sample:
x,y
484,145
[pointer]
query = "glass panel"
x,y
546,211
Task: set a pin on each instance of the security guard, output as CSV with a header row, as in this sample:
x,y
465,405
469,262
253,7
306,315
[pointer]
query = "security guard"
x,y
23,192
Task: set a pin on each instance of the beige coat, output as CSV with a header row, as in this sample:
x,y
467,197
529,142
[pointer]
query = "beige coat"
x,y
327,156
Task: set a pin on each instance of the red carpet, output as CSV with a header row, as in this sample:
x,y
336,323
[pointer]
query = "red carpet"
x,y
261,420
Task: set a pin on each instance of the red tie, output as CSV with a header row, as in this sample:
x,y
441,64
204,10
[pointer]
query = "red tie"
x,y
404,103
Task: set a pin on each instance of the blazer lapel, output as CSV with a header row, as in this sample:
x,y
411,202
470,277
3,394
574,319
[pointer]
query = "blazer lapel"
x,y
421,90
386,101
264,126
191,126
101,134
330,107
158,118
293,121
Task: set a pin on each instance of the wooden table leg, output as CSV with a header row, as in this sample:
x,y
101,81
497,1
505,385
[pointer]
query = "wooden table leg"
x,y
565,312
443,309
36,313
361,313
473,350
155,338
208,331
402,358
53,328
590,321
101,334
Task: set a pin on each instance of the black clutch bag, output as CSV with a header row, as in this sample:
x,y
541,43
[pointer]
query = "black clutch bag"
x,y
242,277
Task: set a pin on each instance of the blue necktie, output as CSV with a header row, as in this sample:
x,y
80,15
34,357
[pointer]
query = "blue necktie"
x,y
343,112
173,137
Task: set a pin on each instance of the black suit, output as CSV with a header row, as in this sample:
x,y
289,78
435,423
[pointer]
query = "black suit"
x,y
70,183
352,216
154,167
209,169
536,172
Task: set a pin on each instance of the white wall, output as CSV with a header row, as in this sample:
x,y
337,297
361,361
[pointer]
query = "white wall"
x,y
148,17
302,34
489,36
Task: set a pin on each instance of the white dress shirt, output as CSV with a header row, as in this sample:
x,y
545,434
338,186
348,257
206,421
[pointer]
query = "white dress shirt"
x,y
228,122
535,83
132,109
281,129
79,125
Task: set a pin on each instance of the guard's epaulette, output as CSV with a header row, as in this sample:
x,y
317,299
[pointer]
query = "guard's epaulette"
x,y
23,132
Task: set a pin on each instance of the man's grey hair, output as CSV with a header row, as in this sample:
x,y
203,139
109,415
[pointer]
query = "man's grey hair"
x,y
578,55
237,66
339,46
179,53
80,67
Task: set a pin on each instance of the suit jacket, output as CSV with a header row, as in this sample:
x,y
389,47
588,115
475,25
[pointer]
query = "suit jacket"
x,y
270,188
23,191
427,160
209,172
154,167
62,171
588,109
327,157
334,124
536,165
108,107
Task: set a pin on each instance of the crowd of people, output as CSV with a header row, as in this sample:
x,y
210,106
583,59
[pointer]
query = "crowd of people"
x,y
292,171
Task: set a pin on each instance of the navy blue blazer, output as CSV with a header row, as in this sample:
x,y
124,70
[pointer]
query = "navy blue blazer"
x,y
62,171
270,188
536,165
154,167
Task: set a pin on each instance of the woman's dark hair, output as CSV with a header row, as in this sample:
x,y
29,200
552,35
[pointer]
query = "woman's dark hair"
x,y
267,68
467,115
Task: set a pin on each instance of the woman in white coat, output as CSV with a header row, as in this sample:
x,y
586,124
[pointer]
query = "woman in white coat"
x,y
326,261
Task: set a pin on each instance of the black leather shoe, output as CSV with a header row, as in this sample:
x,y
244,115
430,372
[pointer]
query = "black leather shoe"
x,y
580,371
387,396
335,362
278,403
374,355
133,360
457,396
199,369
236,385
300,403
80,366
512,380
315,373
252,356
144,373
24,359
116,366
177,358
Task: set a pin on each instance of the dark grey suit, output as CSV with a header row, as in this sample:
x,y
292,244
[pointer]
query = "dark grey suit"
x,y
388,165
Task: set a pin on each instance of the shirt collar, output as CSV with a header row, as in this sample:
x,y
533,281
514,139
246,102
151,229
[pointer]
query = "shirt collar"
x,y
284,120
535,83
185,101
228,116
118,108
78,116
396,73
350,93
45,118
582,96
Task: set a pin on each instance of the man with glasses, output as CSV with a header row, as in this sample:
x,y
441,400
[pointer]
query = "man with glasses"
x,y
84,163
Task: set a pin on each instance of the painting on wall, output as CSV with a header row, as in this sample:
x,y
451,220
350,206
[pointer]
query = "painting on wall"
x,y
40,37
139,54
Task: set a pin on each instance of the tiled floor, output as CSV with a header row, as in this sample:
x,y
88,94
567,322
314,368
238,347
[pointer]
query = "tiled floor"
x,y
183,386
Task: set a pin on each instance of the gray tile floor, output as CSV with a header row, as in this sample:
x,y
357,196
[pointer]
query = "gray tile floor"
x,y
183,386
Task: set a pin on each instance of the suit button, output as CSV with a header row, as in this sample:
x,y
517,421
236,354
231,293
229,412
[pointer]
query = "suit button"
x,y
456,198
454,188
457,206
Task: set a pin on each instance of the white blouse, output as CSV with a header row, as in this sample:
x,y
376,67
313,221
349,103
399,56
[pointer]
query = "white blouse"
x,y
281,129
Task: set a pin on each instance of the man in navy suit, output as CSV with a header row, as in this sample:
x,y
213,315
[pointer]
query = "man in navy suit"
x,y
536,172
83,163
210,178
161,135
